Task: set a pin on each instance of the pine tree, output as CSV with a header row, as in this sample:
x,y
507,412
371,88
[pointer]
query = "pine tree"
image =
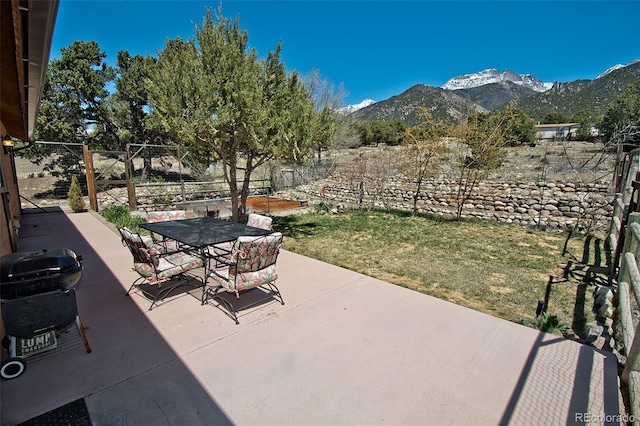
x,y
214,94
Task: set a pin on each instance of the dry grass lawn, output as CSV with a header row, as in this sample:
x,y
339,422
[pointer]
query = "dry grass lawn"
x,y
502,270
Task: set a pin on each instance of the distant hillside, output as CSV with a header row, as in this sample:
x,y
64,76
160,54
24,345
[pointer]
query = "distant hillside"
x,y
569,98
494,95
451,105
444,105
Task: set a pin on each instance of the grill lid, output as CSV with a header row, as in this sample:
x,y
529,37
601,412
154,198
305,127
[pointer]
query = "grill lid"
x,y
41,263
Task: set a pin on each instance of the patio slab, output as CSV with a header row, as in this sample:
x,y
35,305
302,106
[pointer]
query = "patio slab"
x,y
344,349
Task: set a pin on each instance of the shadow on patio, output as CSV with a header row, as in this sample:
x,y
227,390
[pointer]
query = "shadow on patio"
x,y
132,375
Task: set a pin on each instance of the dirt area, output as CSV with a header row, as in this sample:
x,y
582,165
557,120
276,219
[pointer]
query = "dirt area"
x,y
546,161
49,188
585,162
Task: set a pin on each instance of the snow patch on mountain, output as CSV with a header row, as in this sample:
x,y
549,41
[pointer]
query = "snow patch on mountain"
x,y
353,108
492,75
615,67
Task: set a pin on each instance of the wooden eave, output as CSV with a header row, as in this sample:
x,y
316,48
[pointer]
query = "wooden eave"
x,y
26,32
12,93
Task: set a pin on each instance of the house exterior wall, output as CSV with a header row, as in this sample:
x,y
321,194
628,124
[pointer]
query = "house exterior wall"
x,y
560,131
24,54
11,209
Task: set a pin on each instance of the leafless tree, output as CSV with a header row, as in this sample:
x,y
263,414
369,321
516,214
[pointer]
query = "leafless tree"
x,y
421,147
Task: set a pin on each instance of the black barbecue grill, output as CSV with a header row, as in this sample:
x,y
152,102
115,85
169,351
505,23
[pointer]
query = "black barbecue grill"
x,y
27,273
38,300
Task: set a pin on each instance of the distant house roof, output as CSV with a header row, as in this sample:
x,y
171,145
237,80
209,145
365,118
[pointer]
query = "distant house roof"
x,y
555,126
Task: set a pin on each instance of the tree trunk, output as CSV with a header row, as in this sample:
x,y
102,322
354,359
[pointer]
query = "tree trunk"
x,y
233,188
146,168
246,181
416,195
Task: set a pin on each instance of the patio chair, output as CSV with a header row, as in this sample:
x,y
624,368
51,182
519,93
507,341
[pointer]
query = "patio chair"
x,y
252,264
223,250
156,268
167,245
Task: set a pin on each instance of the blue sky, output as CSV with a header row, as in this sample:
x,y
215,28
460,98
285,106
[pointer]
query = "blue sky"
x,y
378,49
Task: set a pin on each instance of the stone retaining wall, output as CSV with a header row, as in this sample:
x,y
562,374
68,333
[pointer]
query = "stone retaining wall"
x,y
553,205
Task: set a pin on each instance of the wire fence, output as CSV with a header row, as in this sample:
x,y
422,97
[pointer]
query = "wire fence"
x,y
44,172
290,176
163,177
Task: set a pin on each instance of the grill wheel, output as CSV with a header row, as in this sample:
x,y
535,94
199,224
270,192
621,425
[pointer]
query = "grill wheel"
x,y
12,368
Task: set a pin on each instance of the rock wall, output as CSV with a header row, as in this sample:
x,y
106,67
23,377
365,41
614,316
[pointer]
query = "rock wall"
x,y
553,205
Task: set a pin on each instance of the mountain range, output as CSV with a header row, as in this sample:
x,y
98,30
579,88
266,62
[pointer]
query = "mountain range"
x,y
491,89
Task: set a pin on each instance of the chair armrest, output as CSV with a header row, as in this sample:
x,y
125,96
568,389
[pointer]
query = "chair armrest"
x,y
218,275
221,251
153,254
222,260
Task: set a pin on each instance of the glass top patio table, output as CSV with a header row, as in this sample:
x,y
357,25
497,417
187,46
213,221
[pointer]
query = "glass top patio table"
x,y
202,231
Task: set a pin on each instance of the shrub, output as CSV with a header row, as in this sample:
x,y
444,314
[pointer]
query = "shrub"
x,y
114,213
121,217
74,196
546,323
323,207
549,324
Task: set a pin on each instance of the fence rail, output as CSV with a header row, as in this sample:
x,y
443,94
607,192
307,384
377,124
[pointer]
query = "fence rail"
x,y
624,238
172,194
627,312
143,177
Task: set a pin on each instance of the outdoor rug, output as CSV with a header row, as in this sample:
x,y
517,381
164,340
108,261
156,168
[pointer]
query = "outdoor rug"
x,y
72,414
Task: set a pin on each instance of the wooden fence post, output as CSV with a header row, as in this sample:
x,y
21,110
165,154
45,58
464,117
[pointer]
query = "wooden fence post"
x,y
91,178
128,176
615,230
629,274
618,205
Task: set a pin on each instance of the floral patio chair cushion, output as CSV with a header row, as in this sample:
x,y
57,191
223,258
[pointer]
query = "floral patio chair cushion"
x,y
162,216
168,266
161,247
156,241
141,253
133,240
259,221
256,220
246,280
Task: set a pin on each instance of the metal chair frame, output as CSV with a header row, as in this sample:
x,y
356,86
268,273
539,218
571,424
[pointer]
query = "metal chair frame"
x,y
253,257
150,259
223,250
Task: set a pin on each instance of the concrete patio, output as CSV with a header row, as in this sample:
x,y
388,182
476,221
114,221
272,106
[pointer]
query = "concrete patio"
x,y
345,349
